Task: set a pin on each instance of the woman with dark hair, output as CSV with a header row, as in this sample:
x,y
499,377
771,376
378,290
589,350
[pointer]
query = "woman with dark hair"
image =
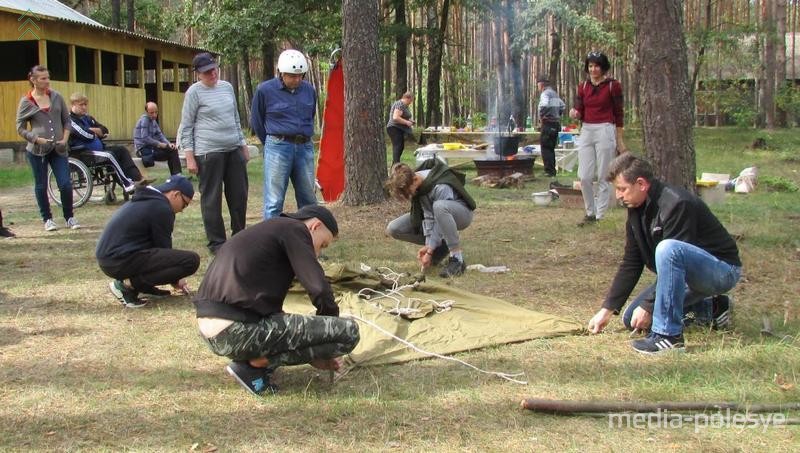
x,y
599,105
440,208
399,125
48,116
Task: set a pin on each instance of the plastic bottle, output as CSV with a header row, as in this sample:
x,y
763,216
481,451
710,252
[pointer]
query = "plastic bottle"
x,y
528,125
469,123
512,124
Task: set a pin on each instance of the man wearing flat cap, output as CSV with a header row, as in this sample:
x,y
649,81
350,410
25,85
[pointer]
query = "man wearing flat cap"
x,y
215,149
240,301
135,248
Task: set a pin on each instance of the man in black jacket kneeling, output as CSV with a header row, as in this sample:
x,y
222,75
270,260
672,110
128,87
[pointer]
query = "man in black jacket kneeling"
x,y
674,234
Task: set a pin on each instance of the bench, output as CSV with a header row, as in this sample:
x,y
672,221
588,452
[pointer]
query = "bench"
x,y
254,153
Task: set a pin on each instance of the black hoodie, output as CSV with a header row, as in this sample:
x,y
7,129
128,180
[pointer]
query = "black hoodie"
x,y
145,222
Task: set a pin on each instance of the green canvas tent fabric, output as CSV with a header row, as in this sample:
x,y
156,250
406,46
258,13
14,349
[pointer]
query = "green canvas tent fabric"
x,y
473,322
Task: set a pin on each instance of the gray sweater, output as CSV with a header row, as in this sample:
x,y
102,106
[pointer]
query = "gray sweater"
x,y
210,119
49,125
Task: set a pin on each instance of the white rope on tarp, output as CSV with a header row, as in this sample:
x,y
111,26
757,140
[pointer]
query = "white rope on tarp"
x,y
506,376
395,294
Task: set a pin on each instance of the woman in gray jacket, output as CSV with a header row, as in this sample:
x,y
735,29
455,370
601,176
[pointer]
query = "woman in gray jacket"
x,y
45,111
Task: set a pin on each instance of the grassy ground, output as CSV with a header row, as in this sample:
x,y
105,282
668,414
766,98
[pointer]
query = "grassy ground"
x,y
80,373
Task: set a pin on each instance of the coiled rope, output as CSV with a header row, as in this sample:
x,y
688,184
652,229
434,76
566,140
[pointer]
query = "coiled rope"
x,y
395,293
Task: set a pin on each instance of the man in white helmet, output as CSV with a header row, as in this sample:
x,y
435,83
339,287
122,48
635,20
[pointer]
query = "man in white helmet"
x,y
283,118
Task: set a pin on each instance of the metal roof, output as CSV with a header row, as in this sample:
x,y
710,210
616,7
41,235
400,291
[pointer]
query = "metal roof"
x,y
50,8
56,10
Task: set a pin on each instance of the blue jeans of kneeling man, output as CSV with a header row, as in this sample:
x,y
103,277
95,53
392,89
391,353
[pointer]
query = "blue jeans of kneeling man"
x,y
284,161
686,275
699,311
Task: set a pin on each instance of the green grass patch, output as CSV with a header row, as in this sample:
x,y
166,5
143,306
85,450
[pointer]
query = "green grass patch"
x,y
15,175
81,373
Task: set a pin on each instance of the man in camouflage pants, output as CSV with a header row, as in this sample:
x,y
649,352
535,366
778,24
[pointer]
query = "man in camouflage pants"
x,y
240,301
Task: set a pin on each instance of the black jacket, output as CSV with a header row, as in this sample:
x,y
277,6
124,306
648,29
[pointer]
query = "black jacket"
x,y
251,275
145,222
668,213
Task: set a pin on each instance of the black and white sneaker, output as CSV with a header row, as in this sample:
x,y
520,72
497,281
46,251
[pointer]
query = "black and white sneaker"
x,y
722,312
254,380
439,253
656,344
127,296
155,293
453,268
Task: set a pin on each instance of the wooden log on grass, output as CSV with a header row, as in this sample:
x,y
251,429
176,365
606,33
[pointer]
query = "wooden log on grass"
x,y
565,407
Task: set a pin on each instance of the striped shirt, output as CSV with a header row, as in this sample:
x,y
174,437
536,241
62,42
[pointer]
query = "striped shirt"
x,y
210,119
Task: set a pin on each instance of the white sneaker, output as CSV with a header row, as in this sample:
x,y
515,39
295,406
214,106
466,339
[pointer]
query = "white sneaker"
x,y
73,224
49,225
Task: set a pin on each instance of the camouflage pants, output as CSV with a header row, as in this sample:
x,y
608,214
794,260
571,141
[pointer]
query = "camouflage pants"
x,y
287,339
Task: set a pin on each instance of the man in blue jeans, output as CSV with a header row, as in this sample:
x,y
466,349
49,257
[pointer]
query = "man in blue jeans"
x,y
283,119
674,234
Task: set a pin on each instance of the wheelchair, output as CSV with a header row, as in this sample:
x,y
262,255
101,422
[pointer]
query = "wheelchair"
x,y
87,171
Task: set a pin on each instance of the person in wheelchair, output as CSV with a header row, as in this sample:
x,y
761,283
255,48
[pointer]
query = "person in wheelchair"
x,y
87,138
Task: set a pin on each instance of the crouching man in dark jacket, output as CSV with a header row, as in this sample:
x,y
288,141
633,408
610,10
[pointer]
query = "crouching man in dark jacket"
x,y
674,234
135,247
240,301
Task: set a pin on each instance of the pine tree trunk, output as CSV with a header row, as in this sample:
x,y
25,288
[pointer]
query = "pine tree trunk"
x,y
780,57
365,149
667,103
131,15
267,59
768,92
435,52
116,12
248,80
401,50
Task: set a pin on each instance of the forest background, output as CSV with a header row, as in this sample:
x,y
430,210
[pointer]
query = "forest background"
x,y
479,59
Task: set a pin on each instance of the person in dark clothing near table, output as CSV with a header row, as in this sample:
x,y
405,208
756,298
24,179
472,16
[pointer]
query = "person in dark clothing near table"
x,y
240,301
674,234
399,125
88,134
551,107
282,117
135,248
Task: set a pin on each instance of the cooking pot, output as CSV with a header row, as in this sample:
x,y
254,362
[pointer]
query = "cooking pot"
x,y
506,145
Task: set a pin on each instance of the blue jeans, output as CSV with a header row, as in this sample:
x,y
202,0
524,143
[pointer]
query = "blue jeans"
x,y
700,311
686,274
284,161
60,166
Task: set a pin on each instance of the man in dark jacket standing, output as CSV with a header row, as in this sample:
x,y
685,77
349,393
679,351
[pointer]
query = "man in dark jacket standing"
x,y
240,301
674,234
135,247
551,107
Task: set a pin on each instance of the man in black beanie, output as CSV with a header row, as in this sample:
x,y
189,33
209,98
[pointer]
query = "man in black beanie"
x,y
240,301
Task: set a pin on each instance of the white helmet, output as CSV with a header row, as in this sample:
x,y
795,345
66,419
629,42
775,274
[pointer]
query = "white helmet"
x,y
292,62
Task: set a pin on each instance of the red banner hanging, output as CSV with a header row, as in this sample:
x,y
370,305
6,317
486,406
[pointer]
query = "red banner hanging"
x,y
330,167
